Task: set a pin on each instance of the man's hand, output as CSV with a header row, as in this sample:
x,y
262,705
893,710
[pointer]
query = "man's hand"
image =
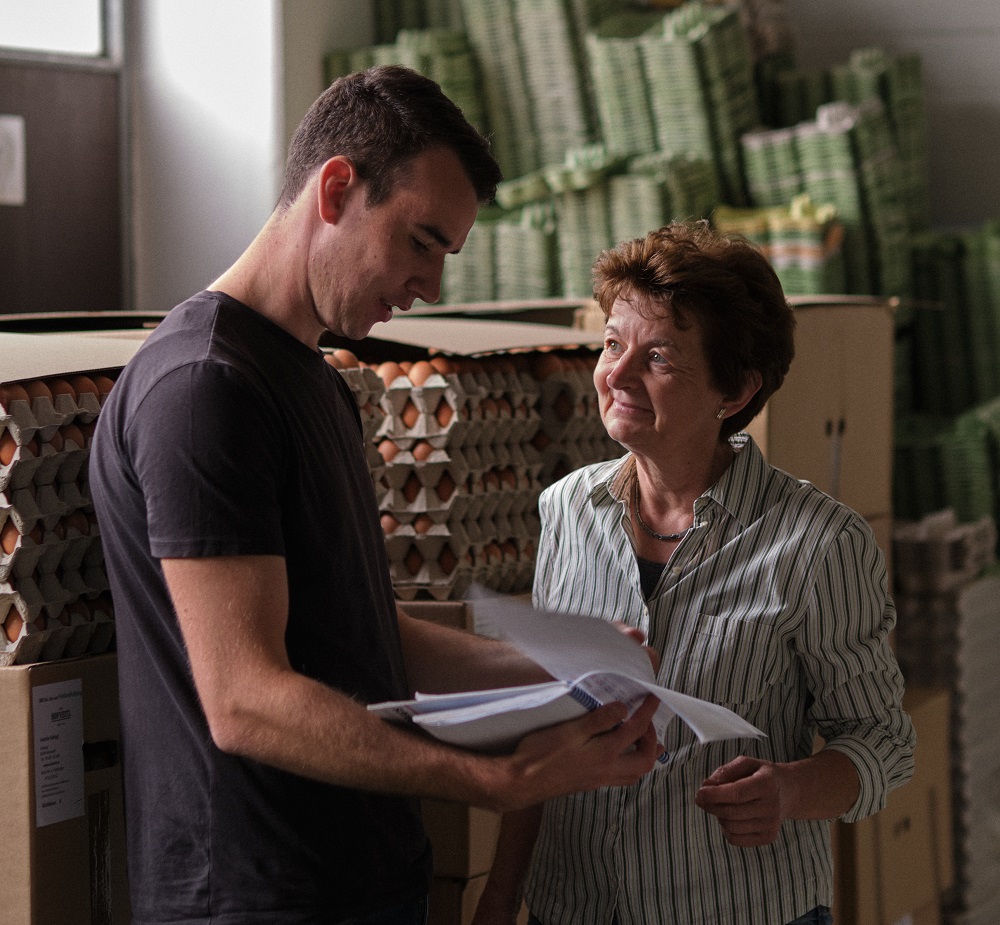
x,y
601,749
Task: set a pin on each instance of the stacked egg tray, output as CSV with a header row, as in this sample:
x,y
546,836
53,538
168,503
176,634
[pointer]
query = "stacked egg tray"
x,y
54,599
459,452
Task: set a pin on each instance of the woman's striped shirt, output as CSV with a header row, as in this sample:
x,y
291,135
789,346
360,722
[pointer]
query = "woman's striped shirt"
x,y
776,605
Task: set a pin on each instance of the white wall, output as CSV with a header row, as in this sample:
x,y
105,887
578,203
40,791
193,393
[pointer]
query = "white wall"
x,y
217,87
959,46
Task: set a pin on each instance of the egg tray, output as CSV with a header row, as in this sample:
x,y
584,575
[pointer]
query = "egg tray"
x,y
73,553
368,390
89,627
464,407
42,416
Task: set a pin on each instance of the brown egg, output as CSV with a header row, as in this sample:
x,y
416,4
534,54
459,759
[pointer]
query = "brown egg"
x,y
508,478
37,389
79,609
541,440
493,553
56,441
443,365
444,413
488,408
508,548
389,372
332,360
413,561
63,617
388,450
12,624
84,385
88,429
58,530
420,372
491,481
543,365
422,523
406,366
104,385
71,433
9,536
445,486
447,560
60,387
563,406
422,450
8,447
410,413
12,392
77,520
411,487
505,409
346,358
389,523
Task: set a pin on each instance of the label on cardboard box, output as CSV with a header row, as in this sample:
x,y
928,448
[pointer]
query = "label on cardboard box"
x,y
57,718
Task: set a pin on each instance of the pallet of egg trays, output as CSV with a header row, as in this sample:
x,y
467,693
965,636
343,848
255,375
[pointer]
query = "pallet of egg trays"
x,y
54,600
368,389
571,433
462,481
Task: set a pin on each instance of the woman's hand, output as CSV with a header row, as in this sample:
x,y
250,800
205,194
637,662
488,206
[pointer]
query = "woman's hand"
x,y
751,798
637,635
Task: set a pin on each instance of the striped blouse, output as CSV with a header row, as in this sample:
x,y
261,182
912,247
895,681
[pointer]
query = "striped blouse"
x,y
774,604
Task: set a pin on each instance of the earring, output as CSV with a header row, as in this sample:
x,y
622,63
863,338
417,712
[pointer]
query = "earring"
x,y
721,414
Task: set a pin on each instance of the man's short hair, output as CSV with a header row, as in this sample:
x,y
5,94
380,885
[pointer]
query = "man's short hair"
x,y
382,119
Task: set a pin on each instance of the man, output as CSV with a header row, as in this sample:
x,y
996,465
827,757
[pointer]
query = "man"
x,y
255,616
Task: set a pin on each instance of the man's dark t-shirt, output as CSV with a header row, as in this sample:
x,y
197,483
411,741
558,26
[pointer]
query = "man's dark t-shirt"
x,y
226,436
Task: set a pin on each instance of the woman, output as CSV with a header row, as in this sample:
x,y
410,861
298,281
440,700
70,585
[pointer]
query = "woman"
x,y
757,591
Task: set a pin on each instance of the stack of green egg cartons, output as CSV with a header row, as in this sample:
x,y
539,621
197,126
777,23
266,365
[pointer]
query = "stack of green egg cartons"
x,y
701,89
943,384
772,167
554,77
872,73
658,188
492,31
470,275
446,57
580,194
526,253
619,83
828,161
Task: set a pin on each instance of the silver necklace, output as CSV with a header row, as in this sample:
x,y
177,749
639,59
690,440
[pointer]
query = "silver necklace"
x,y
663,537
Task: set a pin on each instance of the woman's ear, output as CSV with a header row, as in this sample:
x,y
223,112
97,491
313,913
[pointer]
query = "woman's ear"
x,y
336,177
751,385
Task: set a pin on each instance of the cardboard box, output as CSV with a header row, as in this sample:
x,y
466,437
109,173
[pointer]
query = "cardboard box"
x,y
463,838
63,851
893,867
831,422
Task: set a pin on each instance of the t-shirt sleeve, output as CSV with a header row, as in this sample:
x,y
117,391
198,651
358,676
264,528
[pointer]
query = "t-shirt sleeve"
x,y
207,449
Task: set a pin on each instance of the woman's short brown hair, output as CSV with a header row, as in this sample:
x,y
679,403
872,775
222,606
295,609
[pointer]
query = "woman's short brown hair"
x,y
382,119
722,284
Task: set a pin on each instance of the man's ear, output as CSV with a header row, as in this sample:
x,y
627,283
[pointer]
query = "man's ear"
x,y
336,176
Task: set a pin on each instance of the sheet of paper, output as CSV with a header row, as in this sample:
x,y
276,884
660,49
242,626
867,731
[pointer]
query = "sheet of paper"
x,y
570,646
565,645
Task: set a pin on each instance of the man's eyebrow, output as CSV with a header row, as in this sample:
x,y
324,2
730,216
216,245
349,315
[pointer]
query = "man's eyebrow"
x,y
436,233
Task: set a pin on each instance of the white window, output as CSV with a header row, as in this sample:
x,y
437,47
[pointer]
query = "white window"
x,y
61,27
